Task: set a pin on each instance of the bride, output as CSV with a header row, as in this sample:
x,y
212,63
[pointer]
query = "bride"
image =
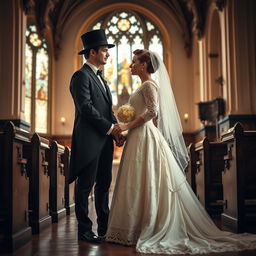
x,y
153,206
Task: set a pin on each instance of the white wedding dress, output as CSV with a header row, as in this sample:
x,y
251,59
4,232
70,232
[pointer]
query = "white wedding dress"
x,y
153,206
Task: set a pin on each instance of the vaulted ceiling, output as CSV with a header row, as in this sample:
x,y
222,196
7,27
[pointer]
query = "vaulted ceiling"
x,y
189,14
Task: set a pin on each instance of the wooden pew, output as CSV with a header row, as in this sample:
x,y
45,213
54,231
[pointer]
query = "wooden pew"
x,y
57,182
69,188
210,165
239,180
190,171
39,183
14,187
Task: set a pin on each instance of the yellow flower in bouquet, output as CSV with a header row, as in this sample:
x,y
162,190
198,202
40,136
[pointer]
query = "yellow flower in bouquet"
x,y
126,113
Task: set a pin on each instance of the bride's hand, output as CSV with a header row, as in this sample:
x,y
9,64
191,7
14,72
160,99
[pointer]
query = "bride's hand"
x,y
123,127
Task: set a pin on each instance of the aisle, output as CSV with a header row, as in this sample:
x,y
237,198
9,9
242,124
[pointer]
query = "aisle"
x,y
61,240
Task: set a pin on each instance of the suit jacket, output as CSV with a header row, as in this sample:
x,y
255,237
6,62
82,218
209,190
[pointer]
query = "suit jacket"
x,y
93,118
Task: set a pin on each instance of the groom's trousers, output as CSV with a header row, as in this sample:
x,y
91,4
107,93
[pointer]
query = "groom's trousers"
x,y
99,171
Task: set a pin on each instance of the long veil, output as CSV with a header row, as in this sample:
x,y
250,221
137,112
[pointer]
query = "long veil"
x,y
168,117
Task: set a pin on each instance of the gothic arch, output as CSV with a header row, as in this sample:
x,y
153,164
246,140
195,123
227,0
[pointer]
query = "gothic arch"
x,y
126,6
82,18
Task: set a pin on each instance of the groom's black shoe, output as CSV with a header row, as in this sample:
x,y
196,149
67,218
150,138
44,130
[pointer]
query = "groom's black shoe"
x,y
102,233
88,236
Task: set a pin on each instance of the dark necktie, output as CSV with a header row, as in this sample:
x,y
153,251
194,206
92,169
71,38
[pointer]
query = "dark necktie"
x,y
99,72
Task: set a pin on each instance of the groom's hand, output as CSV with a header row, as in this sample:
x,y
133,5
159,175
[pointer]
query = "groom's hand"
x,y
116,130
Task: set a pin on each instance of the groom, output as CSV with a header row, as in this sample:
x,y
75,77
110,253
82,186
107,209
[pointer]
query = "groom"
x,y
95,126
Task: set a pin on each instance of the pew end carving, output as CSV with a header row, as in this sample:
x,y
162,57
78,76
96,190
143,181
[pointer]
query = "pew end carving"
x,y
209,166
57,182
39,183
69,188
14,188
239,180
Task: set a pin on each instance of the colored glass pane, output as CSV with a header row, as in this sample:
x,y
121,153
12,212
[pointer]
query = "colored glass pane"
x,y
41,92
124,24
155,45
36,81
28,82
128,31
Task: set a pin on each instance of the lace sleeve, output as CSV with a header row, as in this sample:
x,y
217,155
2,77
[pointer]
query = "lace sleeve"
x,y
150,95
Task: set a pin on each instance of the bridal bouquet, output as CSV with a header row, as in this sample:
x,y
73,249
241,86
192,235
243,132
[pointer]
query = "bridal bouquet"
x,y
126,113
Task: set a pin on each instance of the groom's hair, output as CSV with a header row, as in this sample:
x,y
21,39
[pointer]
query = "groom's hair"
x,y
144,56
87,52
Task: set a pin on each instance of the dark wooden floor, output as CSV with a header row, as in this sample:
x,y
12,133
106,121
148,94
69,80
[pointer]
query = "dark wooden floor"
x,y
61,240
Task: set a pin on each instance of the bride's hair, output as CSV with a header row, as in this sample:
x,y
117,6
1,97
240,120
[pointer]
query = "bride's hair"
x,y
145,56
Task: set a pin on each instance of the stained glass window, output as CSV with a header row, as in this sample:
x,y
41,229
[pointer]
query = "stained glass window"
x,y
128,31
36,79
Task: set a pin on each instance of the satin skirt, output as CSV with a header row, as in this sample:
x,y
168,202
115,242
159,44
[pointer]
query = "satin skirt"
x,y
154,208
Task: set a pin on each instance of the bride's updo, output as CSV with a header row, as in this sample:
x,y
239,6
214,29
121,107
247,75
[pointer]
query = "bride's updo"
x,y
148,57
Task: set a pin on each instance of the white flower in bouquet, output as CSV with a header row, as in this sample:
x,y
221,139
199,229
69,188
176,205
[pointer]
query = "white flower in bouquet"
x,y
126,113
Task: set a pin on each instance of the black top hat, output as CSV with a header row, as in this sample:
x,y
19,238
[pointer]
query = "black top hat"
x,y
93,39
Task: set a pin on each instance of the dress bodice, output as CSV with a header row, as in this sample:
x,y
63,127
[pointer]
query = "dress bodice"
x,y
145,100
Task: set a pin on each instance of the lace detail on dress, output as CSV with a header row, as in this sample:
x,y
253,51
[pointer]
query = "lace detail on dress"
x,y
123,236
150,94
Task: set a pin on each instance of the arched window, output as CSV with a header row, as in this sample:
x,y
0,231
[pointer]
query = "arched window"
x,y
128,31
36,79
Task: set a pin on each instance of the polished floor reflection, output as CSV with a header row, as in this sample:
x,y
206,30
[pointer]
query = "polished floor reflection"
x,y
61,240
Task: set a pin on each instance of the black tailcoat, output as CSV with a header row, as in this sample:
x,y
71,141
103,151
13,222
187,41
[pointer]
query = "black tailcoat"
x,y
93,118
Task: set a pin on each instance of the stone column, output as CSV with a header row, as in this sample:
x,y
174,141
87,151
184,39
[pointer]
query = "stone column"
x,y
12,47
241,66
